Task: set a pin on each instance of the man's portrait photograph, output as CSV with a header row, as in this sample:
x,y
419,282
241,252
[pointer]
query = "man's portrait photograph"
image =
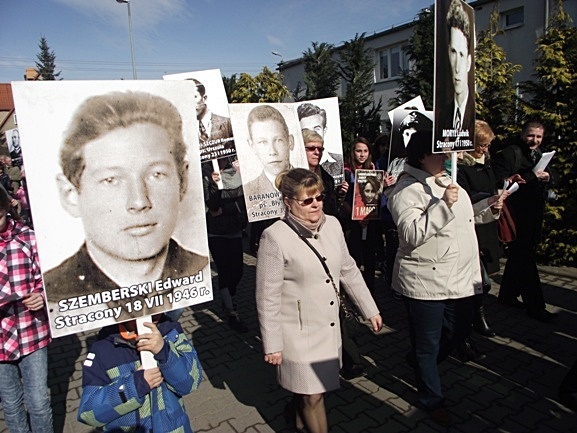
x,y
322,117
454,82
115,188
13,142
211,104
269,142
215,135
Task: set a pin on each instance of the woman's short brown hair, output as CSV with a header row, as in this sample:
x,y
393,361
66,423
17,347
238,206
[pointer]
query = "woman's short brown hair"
x,y
483,132
292,182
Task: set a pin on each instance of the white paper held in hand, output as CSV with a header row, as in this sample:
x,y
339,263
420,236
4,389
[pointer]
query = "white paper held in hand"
x,y
544,161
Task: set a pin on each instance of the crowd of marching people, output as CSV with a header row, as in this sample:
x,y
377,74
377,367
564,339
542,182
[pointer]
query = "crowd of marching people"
x,y
436,245
13,180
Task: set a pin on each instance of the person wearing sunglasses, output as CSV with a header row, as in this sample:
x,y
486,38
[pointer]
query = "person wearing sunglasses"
x,y
313,117
298,300
314,148
332,202
476,177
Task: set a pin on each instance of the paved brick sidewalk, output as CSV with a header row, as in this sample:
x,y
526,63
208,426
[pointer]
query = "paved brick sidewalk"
x,y
512,390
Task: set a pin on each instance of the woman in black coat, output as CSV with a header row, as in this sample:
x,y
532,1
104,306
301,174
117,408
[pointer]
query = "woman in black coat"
x,y
475,175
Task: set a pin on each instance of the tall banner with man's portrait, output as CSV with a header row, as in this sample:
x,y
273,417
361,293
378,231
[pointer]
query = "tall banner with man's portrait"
x,y
215,135
454,82
269,142
322,116
116,194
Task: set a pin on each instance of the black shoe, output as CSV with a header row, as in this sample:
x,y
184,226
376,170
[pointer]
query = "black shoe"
x,y
513,302
485,331
480,324
353,372
568,399
466,351
441,416
236,324
543,316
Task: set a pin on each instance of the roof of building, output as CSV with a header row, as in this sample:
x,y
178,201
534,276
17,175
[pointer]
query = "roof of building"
x,y
6,99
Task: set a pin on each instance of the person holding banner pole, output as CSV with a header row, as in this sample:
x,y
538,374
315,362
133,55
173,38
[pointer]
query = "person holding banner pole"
x,y
24,330
225,221
437,269
119,395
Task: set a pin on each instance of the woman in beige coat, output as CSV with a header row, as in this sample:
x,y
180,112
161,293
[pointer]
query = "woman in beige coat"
x,y
437,264
298,307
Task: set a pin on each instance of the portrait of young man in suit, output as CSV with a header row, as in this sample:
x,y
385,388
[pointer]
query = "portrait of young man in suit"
x,y
124,174
455,104
271,142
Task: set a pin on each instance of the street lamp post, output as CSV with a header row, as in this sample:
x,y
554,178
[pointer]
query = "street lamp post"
x,y
280,64
130,33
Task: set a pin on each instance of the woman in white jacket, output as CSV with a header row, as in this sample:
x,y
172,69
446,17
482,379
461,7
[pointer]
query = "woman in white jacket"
x,y
297,302
437,264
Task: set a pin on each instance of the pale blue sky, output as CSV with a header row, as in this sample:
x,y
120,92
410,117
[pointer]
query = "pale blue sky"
x,y
91,39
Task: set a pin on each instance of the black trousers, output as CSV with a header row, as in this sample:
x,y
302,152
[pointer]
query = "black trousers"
x,y
227,256
521,277
363,251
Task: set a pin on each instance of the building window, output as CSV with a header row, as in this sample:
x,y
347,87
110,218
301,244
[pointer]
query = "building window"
x,y
392,62
513,18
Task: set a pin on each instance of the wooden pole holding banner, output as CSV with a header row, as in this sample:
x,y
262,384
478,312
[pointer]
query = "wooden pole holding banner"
x,y
216,169
146,358
454,168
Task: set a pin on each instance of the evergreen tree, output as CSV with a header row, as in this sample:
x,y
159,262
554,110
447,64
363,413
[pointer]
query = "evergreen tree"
x,y
360,116
266,86
46,64
553,97
229,85
321,71
418,79
495,100
299,93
